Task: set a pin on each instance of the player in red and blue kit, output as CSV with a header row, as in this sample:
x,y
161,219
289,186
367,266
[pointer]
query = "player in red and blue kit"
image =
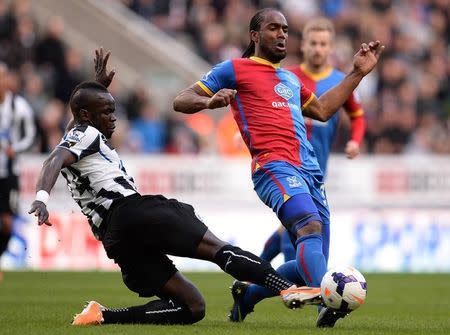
x,y
319,76
268,104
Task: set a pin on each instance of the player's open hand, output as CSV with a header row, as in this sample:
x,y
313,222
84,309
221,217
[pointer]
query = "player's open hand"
x,y
40,210
101,73
367,57
222,98
352,149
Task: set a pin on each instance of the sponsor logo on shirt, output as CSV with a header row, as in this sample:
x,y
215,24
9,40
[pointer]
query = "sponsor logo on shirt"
x,y
281,104
283,91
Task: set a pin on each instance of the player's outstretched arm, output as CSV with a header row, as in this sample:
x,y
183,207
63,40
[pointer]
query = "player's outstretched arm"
x,y
58,159
364,61
194,99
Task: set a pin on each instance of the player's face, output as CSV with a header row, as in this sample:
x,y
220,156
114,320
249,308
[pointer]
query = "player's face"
x,y
271,40
316,47
102,113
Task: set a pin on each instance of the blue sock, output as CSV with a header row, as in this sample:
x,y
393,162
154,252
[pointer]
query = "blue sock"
x,y
326,241
271,247
256,293
311,262
289,271
287,249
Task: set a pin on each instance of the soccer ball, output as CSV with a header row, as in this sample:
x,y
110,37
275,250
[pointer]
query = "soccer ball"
x,y
343,288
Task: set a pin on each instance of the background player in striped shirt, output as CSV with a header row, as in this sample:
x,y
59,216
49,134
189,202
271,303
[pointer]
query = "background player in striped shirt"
x,y
137,231
316,73
17,132
268,104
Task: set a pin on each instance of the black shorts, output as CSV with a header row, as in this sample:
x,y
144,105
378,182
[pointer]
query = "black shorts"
x,y
9,194
141,230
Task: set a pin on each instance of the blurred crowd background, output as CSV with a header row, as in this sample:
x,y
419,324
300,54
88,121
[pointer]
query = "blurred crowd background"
x,y
406,100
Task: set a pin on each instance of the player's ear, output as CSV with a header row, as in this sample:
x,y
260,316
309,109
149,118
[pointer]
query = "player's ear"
x,y
254,36
84,115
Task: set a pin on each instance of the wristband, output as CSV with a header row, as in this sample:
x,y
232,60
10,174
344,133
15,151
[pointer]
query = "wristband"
x,y
42,196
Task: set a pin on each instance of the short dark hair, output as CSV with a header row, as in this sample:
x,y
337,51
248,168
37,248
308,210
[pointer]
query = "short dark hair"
x,y
255,24
78,98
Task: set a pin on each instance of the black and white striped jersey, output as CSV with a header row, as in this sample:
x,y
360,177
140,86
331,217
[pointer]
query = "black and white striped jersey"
x,y
98,177
17,130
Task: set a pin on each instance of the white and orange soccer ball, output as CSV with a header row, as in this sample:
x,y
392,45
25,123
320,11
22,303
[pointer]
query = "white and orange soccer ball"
x,y
343,288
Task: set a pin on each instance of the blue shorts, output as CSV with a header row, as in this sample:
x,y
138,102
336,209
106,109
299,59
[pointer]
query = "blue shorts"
x,y
278,181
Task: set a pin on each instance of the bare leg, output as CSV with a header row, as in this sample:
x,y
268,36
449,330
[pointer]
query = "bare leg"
x,y
209,246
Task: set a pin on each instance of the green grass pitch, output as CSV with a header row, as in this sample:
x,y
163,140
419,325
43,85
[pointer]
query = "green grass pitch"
x,y
44,302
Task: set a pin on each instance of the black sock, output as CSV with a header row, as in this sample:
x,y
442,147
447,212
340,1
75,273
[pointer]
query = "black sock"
x,y
4,239
155,312
246,266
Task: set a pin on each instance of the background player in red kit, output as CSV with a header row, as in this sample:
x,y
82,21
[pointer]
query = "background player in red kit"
x,y
268,104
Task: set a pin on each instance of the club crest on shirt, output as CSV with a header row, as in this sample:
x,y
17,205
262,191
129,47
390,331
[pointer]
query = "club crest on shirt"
x,y
283,91
293,181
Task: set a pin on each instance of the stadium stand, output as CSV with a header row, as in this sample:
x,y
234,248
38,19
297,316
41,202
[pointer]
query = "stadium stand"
x,y
159,46
407,101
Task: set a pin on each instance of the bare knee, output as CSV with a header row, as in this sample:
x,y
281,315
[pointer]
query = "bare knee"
x,y
182,290
197,309
313,227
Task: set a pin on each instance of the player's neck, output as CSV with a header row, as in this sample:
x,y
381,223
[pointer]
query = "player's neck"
x,y
316,73
316,69
2,97
264,61
263,57
81,123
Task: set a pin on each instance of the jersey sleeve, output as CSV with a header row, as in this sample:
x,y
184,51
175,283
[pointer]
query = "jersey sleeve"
x,y
355,112
220,76
353,107
306,96
81,141
358,129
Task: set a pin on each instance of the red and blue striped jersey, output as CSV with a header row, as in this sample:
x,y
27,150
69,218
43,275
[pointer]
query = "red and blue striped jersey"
x,y
267,109
322,134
